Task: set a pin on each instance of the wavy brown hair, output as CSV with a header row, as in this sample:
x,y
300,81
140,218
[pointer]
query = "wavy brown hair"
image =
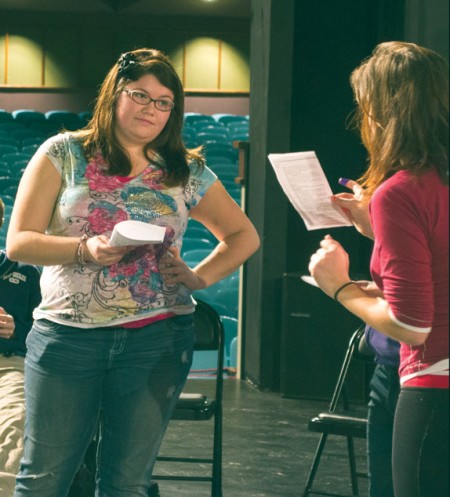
x,y
99,135
402,96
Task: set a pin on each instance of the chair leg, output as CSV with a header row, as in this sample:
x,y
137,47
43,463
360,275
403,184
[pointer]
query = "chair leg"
x,y
315,465
216,488
352,463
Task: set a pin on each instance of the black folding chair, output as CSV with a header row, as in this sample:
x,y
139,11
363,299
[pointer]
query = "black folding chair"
x,y
209,335
342,422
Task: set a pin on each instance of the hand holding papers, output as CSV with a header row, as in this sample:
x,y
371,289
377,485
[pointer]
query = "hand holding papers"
x,y
304,183
136,233
310,280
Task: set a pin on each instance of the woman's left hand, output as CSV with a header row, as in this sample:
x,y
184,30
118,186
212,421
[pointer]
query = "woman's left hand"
x,y
330,265
7,324
174,270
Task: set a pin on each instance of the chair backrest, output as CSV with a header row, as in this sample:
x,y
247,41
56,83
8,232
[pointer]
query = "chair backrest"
x,y
227,119
8,148
12,158
193,257
230,326
27,133
197,230
10,126
189,133
28,116
5,116
7,182
353,352
29,149
192,119
194,243
229,298
5,169
205,137
225,167
209,333
240,136
7,200
64,119
9,140
239,127
85,116
212,128
218,147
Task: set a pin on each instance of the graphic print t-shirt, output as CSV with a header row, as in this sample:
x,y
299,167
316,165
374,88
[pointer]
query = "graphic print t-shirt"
x,y
91,203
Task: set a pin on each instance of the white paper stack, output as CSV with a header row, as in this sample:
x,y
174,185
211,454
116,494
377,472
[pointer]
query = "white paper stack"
x,y
136,233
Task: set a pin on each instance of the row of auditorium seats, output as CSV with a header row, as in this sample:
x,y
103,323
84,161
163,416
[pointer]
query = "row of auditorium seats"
x,y
22,131
41,123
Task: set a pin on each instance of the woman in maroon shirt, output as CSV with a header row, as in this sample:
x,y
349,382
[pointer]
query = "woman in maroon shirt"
x,y
402,204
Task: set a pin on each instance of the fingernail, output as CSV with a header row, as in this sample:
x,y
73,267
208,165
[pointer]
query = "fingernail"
x,y
343,181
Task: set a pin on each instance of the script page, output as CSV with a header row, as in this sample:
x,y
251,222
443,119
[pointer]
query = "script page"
x,y
131,233
303,181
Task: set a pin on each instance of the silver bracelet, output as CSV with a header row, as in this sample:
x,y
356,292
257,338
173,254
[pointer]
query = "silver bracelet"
x,y
80,250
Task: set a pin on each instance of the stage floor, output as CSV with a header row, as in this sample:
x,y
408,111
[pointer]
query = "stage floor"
x,y
267,448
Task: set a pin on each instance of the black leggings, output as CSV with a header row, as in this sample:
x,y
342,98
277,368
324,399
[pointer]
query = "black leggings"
x,y
421,443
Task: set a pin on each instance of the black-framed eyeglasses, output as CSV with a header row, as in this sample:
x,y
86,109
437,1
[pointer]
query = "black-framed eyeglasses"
x,y
141,98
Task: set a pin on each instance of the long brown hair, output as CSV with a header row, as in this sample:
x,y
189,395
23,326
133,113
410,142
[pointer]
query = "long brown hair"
x,y
99,134
402,97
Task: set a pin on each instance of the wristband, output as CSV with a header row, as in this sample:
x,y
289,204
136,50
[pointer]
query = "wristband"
x,y
80,251
339,290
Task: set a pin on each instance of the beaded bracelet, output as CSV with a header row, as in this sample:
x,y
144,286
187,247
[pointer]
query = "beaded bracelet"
x,y
339,290
80,251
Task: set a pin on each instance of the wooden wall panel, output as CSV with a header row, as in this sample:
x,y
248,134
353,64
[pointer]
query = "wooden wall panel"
x,y
3,43
202,64
69,56
25,56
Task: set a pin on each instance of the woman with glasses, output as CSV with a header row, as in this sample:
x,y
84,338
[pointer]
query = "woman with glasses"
x,y
113,337
402,204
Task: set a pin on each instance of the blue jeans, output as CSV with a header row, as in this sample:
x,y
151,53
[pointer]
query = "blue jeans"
x,y
125,382
384,390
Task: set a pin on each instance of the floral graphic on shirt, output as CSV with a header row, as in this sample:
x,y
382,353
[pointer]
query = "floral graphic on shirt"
x,y
103,216
153,178
140,271
99,181
140,198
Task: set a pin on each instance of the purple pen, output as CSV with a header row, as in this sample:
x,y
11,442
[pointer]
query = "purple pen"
x,y
343,181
